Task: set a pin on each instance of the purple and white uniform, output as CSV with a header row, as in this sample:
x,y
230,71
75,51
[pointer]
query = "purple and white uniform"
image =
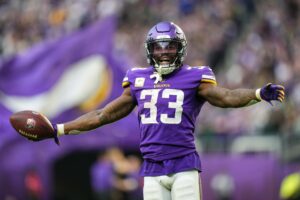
x,y
167,111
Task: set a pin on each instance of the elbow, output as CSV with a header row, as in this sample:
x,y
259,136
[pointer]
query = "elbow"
x,y
102,118
96,119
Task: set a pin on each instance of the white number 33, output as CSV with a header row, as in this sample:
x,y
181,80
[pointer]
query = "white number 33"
x,y
151,105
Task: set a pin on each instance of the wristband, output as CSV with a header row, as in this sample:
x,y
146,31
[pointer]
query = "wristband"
x,y
60,129
257,94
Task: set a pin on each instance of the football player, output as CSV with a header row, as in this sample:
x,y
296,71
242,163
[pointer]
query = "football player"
x,y
169,95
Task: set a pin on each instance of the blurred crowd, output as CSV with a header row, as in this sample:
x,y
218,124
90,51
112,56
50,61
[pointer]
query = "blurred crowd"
x,y
248,43
115,176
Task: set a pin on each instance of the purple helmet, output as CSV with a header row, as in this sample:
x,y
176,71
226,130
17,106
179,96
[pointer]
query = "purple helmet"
x,y
172,43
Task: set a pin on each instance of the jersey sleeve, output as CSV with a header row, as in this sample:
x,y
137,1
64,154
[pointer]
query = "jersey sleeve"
x,y
131,75
208,76
126,81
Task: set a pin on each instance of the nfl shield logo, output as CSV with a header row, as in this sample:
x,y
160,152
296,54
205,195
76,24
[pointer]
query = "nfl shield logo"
x,y
30,123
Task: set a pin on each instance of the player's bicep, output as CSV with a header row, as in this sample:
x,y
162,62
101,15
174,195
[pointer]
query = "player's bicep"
x,y
213,94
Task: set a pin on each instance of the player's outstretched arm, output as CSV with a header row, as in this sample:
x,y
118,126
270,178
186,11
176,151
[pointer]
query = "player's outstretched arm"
x,y
226,98
35,126
112,112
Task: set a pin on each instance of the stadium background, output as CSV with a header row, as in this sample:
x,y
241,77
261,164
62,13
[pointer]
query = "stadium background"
x,y
65,57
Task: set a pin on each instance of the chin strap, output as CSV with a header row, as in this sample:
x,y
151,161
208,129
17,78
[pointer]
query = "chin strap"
x,y
157,76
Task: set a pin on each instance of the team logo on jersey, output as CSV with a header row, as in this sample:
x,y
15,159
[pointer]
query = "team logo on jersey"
x,y
139,82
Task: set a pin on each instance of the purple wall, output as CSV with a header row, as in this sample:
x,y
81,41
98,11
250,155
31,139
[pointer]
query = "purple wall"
x,y
255,176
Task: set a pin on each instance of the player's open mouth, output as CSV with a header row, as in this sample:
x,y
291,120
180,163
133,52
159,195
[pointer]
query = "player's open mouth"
x,y
164,61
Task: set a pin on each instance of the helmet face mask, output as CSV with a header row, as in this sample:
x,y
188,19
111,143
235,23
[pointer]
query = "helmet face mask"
x,y
165,47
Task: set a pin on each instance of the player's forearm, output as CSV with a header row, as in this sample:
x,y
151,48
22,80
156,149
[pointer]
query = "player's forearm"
x,y
226,98
240,98
110,113
86,122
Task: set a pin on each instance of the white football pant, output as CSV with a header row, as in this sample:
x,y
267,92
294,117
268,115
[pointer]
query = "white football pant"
x,y
179,186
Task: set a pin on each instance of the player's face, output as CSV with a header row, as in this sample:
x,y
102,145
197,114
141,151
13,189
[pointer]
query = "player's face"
x,y
165,52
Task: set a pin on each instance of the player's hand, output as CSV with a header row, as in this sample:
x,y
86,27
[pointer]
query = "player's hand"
x,y
33,125
48,135
271,92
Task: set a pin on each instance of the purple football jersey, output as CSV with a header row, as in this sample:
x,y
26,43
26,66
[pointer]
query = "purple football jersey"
x,y
167,109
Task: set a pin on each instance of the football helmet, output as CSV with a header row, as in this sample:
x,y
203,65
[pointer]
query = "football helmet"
x,y
165,47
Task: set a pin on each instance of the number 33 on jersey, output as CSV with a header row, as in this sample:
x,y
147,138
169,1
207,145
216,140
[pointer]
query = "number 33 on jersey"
x,y
168,106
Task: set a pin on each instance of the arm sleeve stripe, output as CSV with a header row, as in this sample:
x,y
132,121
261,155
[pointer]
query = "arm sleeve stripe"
x,y
208,81
125,84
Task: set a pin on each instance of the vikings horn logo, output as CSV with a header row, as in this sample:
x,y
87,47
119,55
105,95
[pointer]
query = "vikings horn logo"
x,y
93,86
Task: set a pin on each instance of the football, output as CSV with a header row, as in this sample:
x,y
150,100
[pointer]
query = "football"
x,y
32,125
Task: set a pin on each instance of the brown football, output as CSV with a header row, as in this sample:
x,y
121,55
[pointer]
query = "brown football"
x,y
31,124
